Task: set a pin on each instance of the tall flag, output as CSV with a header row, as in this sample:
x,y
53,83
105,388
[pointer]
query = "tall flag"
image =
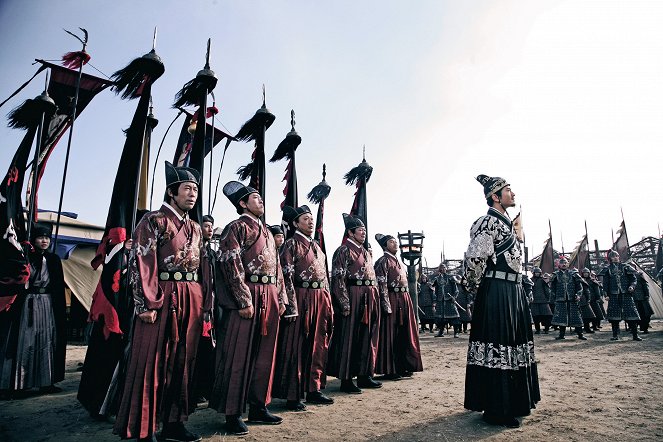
x,y
194,93
659,258
185,141
547,262
14,267
286,149
143,202
621,244
254,130
135,80
318,195
359,176
580,256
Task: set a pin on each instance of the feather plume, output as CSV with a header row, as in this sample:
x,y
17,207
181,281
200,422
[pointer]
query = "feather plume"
x,y
74,60
319,192
194,90
253,128
362,171
28,114
245,172
130,80
287,147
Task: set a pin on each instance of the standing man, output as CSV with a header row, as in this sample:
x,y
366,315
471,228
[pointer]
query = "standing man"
x,y
566,286
253,299
446,311
168,298
596,300
641,298
354,346
279,237
33,334
426,301
306,330
541,312
399,354
205,359
585,306
502,387
619,282
466,302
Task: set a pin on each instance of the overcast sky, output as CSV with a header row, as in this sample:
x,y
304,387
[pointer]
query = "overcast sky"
x,y
564,99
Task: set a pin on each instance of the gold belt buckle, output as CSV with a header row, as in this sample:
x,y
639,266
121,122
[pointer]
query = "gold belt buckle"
x,y
177,276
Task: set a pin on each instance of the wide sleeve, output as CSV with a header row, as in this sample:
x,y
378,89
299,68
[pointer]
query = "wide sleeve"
x,y
382,276
479,251
339,289
285,299
231,247
144,266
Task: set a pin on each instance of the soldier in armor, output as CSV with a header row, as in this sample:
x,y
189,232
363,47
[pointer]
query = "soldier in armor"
x,y
619,283
446,311
596,300
586,310
540,306
426,300
641,298
466,301
566,287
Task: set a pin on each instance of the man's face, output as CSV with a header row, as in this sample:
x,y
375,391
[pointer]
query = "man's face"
x,y
537,274
508,198
187,194
254,204
359,235
392,246
279,239
442,269
614,258
42,242
305,224
585,275
563,264
208,230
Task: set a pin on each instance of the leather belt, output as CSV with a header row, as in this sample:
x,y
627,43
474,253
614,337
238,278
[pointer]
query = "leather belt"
x,y
311,285
178,276
398,289
505,276
261,279
361,282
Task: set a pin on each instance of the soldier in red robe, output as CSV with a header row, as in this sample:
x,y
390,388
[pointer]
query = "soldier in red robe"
x,y
169,304
398,347
253,298
307,326
354,346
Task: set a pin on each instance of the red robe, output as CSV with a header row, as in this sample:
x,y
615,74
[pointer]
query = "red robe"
x,y
304,343
246,348
353,349
161,364
398,348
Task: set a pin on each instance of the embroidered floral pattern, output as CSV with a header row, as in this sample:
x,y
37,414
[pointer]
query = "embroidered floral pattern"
x,y
501,357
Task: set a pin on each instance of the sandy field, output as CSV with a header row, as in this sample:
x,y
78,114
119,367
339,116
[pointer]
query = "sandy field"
x,y
590,390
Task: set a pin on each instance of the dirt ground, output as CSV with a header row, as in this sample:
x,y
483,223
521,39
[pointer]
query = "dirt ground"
x,y
590,390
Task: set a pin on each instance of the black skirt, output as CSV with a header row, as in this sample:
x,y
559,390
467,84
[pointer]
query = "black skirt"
x,y
501,375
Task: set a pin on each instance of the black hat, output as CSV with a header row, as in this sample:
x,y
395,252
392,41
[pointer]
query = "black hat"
x,y
383,239
41,229
236,191
276,229
291,214
491,184
352,222
208,219
176,175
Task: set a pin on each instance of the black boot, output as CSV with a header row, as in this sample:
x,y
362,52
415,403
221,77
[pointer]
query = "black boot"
x,y
634,332
537,327
440,333
348,386
615,331
580,335
562,332
456,330
235,425
259,414
505,421
367,382
295,406
316,397
177,432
